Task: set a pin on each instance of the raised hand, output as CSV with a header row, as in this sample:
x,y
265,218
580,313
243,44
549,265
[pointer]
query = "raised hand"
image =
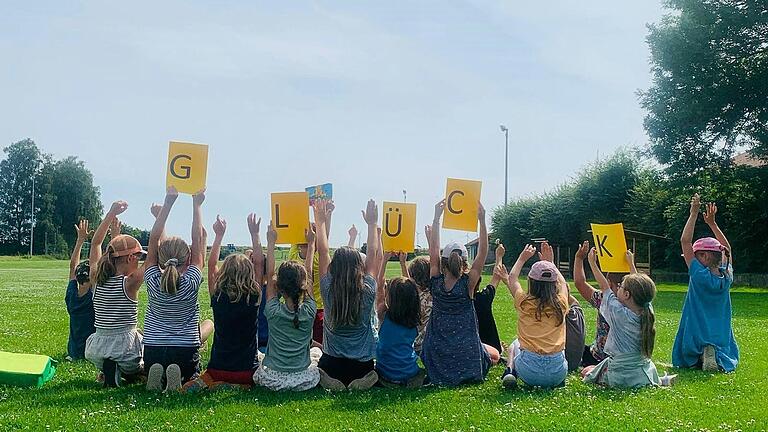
x,y
320,209
547,254
352,231
388,256
115,227
198,198
82,230
309,234
592,256
527,253
330,207
272,234
630,257
439,208
220,226
695,204
118,207
403,257
500,251
371,212
582,251
480,211
155,209
709,215
254,224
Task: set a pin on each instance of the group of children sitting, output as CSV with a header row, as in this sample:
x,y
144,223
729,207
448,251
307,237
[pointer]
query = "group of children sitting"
x,y
337,322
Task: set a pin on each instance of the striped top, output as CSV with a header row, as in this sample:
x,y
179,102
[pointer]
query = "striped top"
x,y
112,306
173,319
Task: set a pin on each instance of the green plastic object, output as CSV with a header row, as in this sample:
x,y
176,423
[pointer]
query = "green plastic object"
x,y
26,370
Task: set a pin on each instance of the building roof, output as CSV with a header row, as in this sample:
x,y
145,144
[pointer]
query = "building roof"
x,y
744,159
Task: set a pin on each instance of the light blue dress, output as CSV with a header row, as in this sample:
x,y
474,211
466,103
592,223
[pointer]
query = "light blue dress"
x,y
706,319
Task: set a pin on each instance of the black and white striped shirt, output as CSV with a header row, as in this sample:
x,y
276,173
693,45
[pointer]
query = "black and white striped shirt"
x,y
173,319
112,306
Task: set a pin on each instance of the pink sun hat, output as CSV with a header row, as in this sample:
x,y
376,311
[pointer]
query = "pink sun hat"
x,y
543,271
707,244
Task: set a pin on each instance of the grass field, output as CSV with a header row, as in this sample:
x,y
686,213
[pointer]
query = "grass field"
x,y
33,319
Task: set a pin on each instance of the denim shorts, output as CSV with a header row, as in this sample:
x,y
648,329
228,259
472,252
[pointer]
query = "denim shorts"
x,y
541,370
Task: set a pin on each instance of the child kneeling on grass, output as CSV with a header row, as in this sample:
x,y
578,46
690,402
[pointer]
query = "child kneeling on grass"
x,y
633,332
452,351
537,356
172,330
287,364
399,312
235,294
116,346
705,336
79,298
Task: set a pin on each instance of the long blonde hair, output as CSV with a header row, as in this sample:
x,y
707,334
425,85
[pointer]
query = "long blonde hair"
x,y
172,252
642,290
236,279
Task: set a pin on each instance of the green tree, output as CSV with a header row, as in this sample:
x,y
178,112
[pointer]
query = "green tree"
x,y
710,85
23,161
74,197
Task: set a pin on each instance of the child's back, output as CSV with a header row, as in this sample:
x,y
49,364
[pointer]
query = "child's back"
x,y
235,341
288,346
395,356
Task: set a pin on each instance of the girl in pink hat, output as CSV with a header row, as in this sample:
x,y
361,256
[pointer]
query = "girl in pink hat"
x,y
705,336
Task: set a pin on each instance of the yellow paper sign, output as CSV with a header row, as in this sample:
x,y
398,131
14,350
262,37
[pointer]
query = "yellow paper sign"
x,y
461,204
398,232
611,247
290,214
187,166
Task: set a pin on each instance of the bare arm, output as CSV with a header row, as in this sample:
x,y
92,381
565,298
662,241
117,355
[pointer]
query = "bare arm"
x,y
476,271
497,276
330,206
271,282
155,210
402,257
599,276
434,244
323,249
514,274
309,261
219,229
686,240
709,218
630,257
579,277
381,291
82,236
159,227
371,217
352,236
118,207
197,255
257,257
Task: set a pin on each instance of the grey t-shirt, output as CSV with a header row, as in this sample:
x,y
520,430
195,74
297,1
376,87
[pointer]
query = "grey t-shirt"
x,y
288,346
354,342
624,337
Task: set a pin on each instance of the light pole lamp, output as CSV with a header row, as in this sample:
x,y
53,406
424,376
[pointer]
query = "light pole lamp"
x,y
506,161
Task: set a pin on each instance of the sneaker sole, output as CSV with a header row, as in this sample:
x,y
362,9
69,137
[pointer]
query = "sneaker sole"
x,y
155,378
173,378
366,382
329,383
709,363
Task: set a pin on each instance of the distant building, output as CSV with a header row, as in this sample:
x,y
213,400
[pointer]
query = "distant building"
x,y
474,244
744,159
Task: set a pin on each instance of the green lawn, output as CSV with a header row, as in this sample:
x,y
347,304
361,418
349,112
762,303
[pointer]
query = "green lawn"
x,y
33,319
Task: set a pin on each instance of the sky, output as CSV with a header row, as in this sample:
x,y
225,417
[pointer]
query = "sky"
x,y
374,97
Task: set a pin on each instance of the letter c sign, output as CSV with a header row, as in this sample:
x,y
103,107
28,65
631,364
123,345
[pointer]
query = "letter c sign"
x,y
461,204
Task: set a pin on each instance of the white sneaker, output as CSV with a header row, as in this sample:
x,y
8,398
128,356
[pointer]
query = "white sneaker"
x,y
172,378
329,383
155,378
365,382
668,380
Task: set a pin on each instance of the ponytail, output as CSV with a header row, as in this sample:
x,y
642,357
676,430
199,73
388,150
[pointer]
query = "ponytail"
x,y
647,330
172,252
455,264
296,305
642,290
170,279
106,267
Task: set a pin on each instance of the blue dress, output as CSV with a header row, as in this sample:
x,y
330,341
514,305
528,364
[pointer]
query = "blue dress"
x,y
706,319
452,352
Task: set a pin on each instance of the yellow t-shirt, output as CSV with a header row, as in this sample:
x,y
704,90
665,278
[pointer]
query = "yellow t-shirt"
x,y
542,337
293,255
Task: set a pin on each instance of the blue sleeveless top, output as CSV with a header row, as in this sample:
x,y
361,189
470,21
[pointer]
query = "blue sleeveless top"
x,y
395,357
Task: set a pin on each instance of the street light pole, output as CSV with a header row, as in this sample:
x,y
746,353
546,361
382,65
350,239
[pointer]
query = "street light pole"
x,y
32,227
506,161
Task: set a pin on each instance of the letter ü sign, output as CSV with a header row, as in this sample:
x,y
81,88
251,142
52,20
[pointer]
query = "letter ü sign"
x,y
187,166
